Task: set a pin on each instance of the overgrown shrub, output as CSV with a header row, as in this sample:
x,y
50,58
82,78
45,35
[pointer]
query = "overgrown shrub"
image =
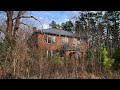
x,y
6,54
107,62
116,56
88,55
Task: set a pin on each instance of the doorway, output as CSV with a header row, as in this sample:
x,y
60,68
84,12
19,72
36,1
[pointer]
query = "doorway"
x,y
74,56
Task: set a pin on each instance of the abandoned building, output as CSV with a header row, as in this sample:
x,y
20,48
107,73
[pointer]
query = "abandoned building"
x,y
67,43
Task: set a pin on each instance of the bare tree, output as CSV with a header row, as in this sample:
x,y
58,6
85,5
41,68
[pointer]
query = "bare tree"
x,y
13,22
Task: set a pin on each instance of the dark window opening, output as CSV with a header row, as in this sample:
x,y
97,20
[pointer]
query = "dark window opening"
x,y
74,55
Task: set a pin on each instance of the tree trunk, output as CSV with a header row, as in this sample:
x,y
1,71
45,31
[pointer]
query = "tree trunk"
x,y
9,23
17,23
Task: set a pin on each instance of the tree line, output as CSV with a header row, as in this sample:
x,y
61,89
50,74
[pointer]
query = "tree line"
x,y
102,28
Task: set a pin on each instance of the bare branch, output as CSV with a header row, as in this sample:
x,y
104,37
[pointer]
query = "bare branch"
x,y
25,24
1,30
30,17
9,22
19,14
17,21
33,18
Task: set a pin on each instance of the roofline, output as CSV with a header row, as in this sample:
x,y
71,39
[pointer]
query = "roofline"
x,y
55,34
76,36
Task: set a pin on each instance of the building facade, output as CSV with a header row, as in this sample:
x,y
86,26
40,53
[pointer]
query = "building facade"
x,y
66,43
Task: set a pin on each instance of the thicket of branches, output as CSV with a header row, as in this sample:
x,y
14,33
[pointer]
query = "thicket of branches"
x,y
102,60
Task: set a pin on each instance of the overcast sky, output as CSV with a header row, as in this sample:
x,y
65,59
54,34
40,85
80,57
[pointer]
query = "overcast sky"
x,y
47,16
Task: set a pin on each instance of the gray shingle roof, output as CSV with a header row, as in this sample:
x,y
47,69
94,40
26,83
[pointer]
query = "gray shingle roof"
x,y
57,32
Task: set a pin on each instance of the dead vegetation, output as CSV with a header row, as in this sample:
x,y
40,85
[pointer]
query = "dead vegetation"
x,y
19,61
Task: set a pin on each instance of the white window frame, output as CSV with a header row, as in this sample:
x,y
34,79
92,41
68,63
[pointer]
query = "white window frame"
x,y
79,41
52,37
49,52
75,41
65,39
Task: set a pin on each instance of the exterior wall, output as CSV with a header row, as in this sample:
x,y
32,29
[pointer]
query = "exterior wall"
x,y
53,46
49,46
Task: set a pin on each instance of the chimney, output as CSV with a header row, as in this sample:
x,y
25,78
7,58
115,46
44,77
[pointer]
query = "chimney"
x,y
34,29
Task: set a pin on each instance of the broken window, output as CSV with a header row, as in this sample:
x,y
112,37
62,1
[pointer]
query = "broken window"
x,y
49,38
79,41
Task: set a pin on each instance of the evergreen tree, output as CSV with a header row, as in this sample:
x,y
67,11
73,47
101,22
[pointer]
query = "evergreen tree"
x,y
68,26
53,24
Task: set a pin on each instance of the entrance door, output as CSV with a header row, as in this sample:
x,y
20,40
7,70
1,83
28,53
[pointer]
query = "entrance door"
x,y
74,56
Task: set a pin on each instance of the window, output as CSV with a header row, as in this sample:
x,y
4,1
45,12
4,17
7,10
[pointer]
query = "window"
x,y
79,41
65,40
49,54
77,56
74,55
74,41
49,39
54,38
